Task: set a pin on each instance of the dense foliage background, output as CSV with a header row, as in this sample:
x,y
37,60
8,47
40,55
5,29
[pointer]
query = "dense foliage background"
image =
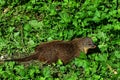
x,y
26,23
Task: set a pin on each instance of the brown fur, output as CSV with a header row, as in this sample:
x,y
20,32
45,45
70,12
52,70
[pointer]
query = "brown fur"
x,y
65,50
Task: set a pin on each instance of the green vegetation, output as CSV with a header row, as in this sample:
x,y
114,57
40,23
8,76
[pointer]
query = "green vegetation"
x,y
26,23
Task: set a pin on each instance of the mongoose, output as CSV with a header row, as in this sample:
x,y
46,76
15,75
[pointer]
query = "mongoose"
x,y
64,50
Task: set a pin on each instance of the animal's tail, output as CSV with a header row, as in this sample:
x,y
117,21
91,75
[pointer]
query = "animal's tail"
x,y
31,57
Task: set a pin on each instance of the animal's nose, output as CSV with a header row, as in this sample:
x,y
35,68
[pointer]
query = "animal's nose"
x,y
94,46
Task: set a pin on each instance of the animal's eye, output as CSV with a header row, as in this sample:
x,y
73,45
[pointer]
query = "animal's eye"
x,y
89,44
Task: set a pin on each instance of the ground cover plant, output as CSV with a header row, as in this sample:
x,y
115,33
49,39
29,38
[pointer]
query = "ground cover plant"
x,y
26,23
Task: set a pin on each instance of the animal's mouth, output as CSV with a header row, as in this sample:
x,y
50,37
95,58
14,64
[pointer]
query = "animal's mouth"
x,y
94,46
87,48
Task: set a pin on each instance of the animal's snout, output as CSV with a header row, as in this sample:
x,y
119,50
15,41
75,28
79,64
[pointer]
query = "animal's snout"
x,y
93,46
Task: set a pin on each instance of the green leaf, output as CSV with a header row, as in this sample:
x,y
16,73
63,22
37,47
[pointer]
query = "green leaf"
x,y
2,2
81,63
32,71
29,7
16,34
20,70
101,57
116,42
59,62
97,77
27,27
10,29
46,72
117,27
35,24
82,55
3,43
117,54
65,18
73,77
31,43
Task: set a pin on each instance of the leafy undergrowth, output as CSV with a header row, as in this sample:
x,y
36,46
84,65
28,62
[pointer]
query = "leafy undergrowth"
x,y
25,24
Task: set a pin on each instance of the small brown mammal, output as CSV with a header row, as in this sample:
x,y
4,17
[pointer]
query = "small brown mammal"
x,y
64,50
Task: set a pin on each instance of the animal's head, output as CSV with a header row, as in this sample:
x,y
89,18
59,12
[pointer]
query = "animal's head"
x,y
85,44
88,44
